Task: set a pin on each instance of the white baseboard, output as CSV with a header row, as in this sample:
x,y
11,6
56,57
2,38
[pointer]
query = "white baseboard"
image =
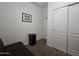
x,y
25,43
50,45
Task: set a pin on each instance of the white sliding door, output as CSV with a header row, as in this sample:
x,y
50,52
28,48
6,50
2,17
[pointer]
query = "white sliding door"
x,y
73,30
60,28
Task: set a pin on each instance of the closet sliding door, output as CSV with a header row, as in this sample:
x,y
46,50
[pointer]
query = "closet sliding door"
x,y
60,29
73,30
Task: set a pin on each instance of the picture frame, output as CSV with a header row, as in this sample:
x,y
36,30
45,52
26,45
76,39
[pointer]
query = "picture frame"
x,y
26,17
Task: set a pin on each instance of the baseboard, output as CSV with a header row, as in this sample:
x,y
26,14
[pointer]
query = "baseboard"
x,y
25,43
50,45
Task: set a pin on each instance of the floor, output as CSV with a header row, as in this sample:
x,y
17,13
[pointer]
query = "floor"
x,y
41,49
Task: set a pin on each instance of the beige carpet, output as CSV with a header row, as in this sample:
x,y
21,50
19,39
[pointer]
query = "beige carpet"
x,y
41,49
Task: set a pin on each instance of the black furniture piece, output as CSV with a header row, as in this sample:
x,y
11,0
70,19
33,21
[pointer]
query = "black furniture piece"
x,y
15,49
32,39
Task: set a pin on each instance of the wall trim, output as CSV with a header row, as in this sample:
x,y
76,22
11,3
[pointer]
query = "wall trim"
x,y
50,45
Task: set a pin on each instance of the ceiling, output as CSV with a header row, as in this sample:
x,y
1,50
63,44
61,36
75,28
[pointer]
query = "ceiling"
x,y
41,4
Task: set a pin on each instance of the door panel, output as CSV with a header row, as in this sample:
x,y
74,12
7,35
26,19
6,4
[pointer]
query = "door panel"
x,y
73,30
73,52
60,26
60,20
74,43
74,19
59,39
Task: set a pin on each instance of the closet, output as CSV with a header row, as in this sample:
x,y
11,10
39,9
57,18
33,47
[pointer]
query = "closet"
x,y
60,28
66,28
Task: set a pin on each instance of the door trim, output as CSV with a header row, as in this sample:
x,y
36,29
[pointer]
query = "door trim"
x,y
66,5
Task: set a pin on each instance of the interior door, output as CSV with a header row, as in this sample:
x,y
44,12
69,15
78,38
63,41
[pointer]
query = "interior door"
x,y
60,28
73,30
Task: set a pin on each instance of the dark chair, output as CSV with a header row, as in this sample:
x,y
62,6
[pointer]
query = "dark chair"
x,y
15,49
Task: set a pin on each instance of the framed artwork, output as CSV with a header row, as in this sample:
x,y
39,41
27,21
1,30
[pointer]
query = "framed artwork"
x,y
26,17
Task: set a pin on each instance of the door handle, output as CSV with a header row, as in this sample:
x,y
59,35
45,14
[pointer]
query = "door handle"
x,y
53,29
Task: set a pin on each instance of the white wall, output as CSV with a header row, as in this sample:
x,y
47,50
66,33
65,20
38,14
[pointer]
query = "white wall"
x,y
51,6
45,21
12,29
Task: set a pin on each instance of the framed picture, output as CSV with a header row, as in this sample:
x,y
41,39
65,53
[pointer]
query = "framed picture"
x,y
26,17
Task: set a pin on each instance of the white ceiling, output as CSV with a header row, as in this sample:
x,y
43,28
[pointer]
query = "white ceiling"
x,y
42,4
